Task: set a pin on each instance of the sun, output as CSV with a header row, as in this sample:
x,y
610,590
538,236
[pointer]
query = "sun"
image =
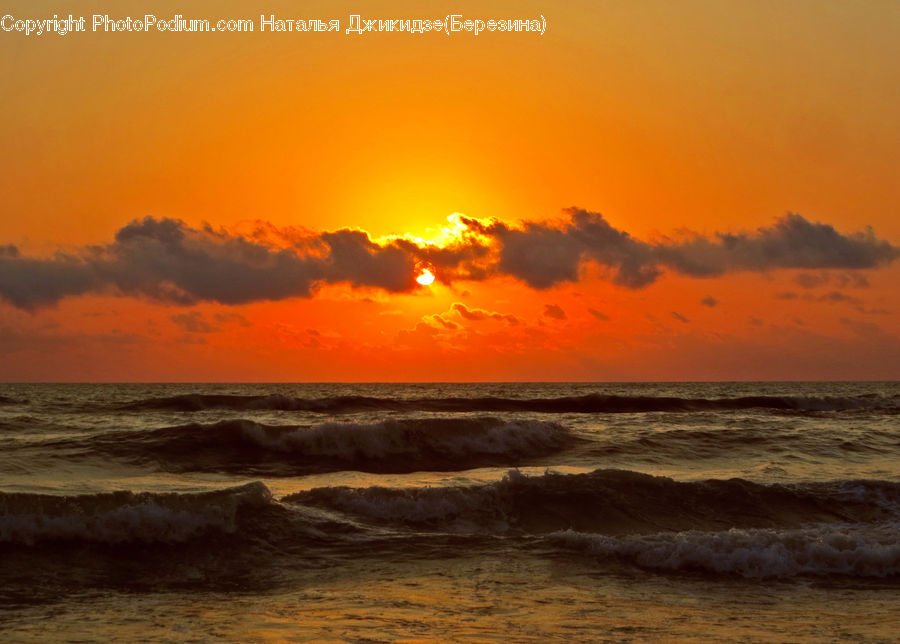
x,y
426,277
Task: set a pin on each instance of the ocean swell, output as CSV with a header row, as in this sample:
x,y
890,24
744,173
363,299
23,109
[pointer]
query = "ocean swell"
x,y
847,550
612,502
668,444
123,517
594,403
407,445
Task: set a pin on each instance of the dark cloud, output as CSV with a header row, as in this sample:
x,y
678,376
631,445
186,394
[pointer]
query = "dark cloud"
x,y
554,311
354,258
811,280
854,280
678,316
597,314
167,260
842,280
543,255
546,254
31,283
193,322
480,314
832,297
230,317
793,242
838,297
709,301
464,259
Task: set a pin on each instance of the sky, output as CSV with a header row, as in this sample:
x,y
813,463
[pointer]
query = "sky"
x,y
648,190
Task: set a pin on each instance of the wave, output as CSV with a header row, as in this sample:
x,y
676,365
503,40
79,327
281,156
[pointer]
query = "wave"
x,y
235,538
6,400
122,517
241,535
593,403
611,502
395,446
846,550
652,445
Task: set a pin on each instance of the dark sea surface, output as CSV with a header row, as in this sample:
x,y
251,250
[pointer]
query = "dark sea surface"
x,y
450,512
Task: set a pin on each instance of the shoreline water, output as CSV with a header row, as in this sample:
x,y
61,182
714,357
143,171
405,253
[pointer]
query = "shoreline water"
x,y
638,512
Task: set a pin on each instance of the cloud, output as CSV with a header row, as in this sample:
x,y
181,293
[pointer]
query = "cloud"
x,y
811,280
543,255
447,324
480,314
709,301
843,280
678,316
555,312
856,280
237,318
29,283
833,297
597,314
838,297
793,242
167,260
422,332
354,258
193,322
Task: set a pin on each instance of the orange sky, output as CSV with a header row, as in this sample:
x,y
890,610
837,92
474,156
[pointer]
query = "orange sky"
x,y
670,119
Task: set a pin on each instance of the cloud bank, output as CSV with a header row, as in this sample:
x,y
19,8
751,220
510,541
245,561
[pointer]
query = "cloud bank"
x,y
167,260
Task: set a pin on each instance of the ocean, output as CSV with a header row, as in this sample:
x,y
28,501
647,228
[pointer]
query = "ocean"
x,y
489,512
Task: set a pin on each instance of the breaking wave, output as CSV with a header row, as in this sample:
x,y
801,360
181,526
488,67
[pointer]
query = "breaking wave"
x,y
730,527
122,517
851,550
407,445
611,502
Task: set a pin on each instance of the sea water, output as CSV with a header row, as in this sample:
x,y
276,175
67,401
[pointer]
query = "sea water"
x,y
450,512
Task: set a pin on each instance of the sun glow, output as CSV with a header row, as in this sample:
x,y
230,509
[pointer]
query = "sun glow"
x,y
456,232
426,277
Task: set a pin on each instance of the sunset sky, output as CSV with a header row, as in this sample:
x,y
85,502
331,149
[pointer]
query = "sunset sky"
x,y
650,190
